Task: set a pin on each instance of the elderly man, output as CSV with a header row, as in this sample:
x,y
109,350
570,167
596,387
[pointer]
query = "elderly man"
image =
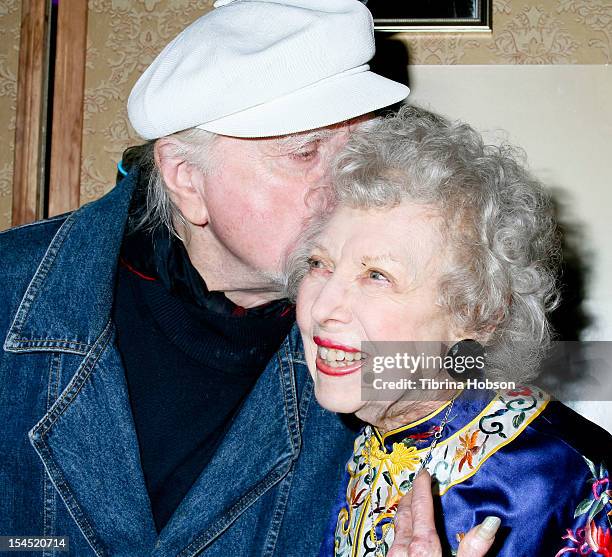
x,y
140,414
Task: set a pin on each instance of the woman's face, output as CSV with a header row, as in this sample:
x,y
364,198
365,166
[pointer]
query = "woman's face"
x,y
374,276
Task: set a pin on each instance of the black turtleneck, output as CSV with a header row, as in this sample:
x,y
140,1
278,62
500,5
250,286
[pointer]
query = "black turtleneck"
x,y
190,357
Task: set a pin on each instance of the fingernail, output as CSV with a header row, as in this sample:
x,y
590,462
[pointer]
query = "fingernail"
x,y
488,528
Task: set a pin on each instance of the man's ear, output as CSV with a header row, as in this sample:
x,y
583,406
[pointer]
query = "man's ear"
x,y
184,180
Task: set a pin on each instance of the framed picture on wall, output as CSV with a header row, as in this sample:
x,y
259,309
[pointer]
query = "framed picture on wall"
x,y
430,15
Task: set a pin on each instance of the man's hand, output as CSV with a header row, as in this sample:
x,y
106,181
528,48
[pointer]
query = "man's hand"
x,y
415,531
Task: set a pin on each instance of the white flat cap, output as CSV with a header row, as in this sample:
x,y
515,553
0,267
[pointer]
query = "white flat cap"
x,y
260,68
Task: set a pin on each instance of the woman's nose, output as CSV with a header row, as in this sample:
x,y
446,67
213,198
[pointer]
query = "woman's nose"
x,y
332,305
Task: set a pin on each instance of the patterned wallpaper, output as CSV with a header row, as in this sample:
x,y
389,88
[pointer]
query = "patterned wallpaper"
x,y
10,17
125,35
526,32
123,38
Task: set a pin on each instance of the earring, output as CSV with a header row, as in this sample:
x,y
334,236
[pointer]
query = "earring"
x,y
465,359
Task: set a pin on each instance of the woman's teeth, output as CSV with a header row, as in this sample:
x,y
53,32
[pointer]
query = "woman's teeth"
x,y
337,358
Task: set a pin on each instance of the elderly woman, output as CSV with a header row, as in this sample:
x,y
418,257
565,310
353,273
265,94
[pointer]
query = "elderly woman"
x,y
440,240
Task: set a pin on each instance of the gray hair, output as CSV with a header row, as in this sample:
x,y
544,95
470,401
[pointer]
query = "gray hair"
x,y
195,146
498,221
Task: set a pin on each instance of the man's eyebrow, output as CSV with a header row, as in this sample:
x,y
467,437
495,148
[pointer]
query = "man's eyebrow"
x,y
291,143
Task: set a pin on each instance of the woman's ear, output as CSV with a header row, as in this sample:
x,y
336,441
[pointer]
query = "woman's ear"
x,y
482,336
486,330
495,321
184,180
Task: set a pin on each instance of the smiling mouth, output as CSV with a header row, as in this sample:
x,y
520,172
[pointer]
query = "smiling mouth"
x,y
335,360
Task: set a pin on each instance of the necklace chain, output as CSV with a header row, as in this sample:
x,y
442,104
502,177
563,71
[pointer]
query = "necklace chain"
x,y
422,464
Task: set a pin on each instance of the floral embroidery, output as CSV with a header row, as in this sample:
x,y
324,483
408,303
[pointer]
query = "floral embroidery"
x,y
354,499
453,460
579,539
600,495
401,457
595,537
520,402
425,436
467,449
600,540
521,391
592,541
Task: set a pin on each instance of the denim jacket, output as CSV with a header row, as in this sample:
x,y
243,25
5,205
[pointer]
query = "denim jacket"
x,y
69,458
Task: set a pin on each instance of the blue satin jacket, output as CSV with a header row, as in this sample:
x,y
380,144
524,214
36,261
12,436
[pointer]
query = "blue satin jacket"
x,y
534,463
69,459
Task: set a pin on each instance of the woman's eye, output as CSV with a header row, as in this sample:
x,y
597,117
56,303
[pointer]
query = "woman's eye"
x,y
377,276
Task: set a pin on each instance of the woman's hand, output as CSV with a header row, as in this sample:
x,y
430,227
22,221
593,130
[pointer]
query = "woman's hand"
x,y
415,531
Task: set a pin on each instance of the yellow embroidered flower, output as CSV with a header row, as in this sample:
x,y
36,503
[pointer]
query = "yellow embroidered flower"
x,y
372,452
400,458
403,458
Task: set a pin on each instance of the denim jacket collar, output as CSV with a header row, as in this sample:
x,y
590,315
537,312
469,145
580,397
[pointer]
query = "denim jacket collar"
x,y
87,441
68,301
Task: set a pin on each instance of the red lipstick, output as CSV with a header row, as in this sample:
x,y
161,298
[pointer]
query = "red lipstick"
x,y
329,344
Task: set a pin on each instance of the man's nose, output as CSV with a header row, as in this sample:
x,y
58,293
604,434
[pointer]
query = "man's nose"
x,y
332,306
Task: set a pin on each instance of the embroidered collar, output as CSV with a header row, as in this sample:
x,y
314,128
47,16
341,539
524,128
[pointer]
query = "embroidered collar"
x,y
420,433
482,426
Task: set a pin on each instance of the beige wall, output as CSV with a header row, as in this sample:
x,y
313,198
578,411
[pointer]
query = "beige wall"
x,y
10,16
562,116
